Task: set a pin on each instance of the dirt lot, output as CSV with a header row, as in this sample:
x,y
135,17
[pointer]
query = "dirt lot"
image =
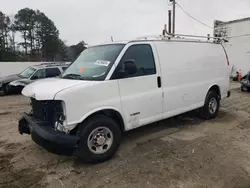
x,y
184,151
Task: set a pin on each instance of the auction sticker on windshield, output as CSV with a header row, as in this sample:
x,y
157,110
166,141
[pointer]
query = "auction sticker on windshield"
x,y
102,63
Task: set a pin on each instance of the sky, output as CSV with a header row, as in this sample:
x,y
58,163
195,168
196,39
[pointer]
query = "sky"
x,y
95,21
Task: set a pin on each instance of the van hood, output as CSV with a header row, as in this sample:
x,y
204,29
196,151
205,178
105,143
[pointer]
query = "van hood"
x,y
47,89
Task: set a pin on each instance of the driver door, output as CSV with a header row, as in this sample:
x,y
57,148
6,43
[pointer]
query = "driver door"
x,y
140,92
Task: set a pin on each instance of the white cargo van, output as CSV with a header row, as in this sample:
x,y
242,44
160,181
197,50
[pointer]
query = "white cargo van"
x,y
118,87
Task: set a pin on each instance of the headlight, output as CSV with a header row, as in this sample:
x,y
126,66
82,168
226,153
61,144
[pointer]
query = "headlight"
x,y
60,118
21,84
17,83
59,126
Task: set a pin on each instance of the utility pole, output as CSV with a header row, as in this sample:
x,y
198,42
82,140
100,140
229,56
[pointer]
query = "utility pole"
x,y
169,21
173,15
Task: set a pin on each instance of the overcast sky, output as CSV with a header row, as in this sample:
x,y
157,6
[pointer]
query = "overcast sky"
x,y
94,21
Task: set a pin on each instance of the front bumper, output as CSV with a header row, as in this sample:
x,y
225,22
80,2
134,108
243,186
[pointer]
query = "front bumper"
x,y
47,137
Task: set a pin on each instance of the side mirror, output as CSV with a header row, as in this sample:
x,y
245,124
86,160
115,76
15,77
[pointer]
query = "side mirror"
x,y
130,67
34,77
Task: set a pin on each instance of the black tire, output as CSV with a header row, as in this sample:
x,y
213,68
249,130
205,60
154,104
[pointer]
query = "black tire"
x,y
244,88
205,111
6,89
84,132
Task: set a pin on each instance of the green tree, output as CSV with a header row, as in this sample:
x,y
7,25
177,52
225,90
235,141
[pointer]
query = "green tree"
x,y
40,38
47,37
5,29
63,52
76,50
25,24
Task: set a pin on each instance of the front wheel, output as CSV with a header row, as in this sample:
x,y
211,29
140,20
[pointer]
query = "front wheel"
x,y
211,106
244,88
100,138
6,89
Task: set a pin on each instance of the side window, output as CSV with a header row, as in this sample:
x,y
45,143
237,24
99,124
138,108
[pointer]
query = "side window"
x,y
52,72
39,74
141,56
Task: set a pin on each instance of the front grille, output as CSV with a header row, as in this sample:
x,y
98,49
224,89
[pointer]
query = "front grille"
x,y
46,111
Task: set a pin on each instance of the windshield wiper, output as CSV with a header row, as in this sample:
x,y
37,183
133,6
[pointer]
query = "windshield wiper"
x,y
72,76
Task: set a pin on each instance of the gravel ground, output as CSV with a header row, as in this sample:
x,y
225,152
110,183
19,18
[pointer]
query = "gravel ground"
x,y
184,151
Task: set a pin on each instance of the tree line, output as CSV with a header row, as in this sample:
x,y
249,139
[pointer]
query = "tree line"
x,y
31,36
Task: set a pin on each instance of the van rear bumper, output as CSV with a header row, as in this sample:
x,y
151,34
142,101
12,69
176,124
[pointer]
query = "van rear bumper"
x,y
47,137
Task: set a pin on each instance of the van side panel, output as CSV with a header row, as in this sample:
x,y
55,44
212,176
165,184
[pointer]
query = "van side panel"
x,y
189,69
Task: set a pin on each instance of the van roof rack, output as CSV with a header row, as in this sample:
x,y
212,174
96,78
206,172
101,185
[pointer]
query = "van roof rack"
x,y
169,36
53,63
49,64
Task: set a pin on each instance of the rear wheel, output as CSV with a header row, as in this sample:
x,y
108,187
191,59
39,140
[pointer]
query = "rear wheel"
x,y
211,106
100,138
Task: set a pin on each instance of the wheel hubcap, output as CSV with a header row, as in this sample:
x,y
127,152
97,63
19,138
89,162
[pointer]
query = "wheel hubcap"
x,y
213,105
100,140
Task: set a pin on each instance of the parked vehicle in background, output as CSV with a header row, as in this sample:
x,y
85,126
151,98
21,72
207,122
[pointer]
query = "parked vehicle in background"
x,y
118,87
245,83
15,83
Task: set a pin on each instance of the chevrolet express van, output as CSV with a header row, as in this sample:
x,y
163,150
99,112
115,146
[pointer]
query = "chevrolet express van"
x,y
117,87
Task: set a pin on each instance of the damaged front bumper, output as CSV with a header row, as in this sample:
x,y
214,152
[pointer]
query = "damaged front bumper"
x,y
47,137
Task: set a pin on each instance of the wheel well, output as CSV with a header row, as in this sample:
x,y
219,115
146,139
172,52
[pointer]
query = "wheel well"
x,y
108,112
216,88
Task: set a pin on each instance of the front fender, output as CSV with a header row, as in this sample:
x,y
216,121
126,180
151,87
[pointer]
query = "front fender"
x,y
72,125
101,109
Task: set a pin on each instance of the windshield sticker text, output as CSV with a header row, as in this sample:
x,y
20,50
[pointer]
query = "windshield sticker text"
x,y
102,63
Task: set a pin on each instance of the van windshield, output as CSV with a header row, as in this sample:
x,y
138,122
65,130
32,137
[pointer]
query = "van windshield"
x,y
94,63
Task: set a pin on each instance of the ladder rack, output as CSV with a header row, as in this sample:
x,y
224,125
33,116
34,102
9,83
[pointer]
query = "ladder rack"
x,y
169,36
54,63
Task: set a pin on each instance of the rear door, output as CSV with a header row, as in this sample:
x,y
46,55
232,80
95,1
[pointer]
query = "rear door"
x,y
141,93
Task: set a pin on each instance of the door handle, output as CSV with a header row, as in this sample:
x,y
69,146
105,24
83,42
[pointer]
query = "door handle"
x,y
159,81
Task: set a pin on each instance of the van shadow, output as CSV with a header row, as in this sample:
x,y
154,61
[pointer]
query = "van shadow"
x,y
165,127
176,123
